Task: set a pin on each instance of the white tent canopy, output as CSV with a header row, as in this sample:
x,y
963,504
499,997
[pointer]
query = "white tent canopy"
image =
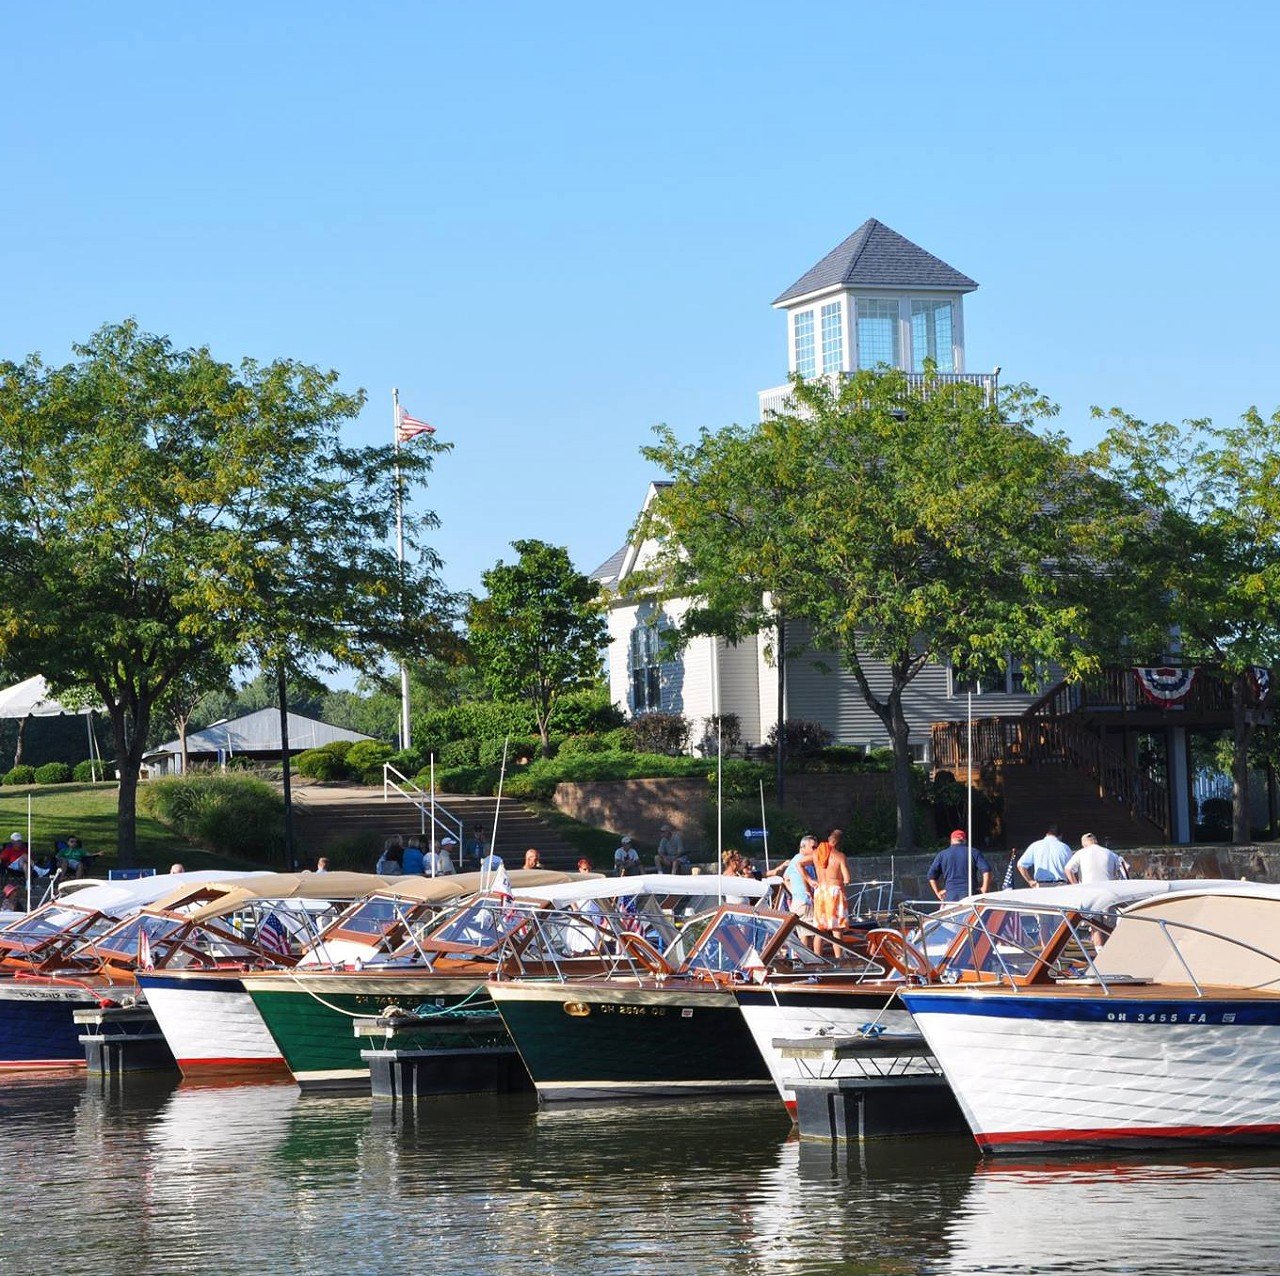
x,y
31,699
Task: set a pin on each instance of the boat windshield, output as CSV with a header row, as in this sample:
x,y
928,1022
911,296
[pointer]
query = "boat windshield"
x,y
373,916
989,941
121,941
725,941
46,923
478,926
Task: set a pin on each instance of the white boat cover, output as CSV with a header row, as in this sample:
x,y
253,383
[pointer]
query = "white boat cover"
x,y
1227,934
712,886
1096,897
116,899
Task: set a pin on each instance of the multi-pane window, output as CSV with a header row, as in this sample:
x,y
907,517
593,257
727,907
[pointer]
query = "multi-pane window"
x,y
806,357
832,338
646,669
877,332
931,335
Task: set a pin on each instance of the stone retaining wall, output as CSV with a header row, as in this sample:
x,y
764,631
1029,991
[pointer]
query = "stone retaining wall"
x,y
641,807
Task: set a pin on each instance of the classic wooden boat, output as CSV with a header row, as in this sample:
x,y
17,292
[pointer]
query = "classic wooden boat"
x,y
45,975
446,971
1168,1034
649,1028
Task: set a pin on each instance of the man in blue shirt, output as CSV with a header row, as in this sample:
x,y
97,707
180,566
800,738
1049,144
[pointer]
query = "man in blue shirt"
x,y
949,873
1044,863
413,861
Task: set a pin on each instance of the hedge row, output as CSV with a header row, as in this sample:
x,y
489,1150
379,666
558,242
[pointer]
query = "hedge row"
x,y
232,814
55,773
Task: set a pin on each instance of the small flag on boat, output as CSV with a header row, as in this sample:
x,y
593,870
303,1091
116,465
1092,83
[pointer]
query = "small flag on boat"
x,y
145,961
1009,875
272,936
409,427
753,965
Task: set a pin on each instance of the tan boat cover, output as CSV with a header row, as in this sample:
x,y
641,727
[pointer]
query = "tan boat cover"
x,y
434,890
203,900
1228,938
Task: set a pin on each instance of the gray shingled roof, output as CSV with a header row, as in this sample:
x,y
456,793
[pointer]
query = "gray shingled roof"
x,y
876,257
259,732
608,571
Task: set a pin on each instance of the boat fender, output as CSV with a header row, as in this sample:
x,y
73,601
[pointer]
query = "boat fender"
x,y
105,1003
871,1029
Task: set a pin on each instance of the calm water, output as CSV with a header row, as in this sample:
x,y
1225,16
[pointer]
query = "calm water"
x,y
169,1178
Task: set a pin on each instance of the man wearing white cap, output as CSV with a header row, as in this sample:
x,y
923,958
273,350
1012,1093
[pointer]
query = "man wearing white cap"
x,y
14,857
439,862
626,859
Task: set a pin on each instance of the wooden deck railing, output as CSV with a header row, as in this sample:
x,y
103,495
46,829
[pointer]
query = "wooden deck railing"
x,y
1116,689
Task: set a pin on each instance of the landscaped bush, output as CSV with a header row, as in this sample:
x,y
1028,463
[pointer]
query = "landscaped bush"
x,y
339,748
481,780
785,830
539,779
365,759
53,773
575,746
89,770
620,740
525,747
801,738
478,720
741,779
459,753
20,775
231,814
660,732
586,713
408,761
728,738
320,764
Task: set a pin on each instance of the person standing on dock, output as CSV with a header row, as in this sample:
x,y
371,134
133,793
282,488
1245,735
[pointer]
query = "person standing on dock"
x,y
1095,863
830,910
952,869
1044,863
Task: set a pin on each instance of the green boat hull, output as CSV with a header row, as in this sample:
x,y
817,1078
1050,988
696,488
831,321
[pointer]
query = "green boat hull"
x,y
606,1043
310,1016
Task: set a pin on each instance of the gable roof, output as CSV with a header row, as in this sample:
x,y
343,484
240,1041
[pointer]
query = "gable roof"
x,y
607,572
259,732
876,257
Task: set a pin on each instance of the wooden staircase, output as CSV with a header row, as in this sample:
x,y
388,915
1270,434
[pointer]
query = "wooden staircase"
x,y
1049,765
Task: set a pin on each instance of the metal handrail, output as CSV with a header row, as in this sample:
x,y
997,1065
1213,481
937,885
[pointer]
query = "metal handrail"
x,y
416,794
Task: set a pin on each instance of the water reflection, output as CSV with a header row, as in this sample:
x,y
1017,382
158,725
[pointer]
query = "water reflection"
x,y
160,1177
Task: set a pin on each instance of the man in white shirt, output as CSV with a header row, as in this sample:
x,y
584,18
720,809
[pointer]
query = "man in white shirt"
x,y
1094,863
439,863
1044,863
626,859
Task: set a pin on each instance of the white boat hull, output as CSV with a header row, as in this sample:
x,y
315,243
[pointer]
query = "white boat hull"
x,y
211,1024
1044,1071
790,1014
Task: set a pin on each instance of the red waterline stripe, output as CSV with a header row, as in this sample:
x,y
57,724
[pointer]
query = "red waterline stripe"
x,y
1111,1133
275,1061
20,1065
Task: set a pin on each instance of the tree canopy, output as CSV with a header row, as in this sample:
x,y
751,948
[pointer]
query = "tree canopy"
x,y
161,509
904,528
1201,540
539,630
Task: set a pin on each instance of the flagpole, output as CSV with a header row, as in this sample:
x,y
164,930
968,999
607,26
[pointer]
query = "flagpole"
x,y
968,762
404,670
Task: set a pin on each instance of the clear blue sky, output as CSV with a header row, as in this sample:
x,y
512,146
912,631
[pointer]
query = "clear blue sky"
x,y
554,225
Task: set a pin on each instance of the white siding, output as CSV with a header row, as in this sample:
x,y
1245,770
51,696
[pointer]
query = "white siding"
x,y
740,685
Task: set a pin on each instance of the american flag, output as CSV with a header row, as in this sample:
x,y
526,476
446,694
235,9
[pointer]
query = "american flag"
x,y
272,936
409,427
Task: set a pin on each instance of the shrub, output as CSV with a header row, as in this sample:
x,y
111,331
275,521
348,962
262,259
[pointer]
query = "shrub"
x,y
53,773
338,748
539,779
801,739
231,814
785,830
88,771
574,746
660,733
730,733
522,746
586,713
20,775
480,780
320,764
459,753
408,761
741,779
365,759
620,740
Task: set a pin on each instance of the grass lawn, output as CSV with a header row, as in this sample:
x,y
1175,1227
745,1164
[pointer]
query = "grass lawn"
x,y
89,811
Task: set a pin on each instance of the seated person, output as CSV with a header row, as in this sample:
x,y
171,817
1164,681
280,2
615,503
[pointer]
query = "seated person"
x,y
412,861
71,856
439,863
14,856
9,899
388,864
671,857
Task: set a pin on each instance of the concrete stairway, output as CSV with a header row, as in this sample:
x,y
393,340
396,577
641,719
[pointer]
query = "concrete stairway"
x,y
328,816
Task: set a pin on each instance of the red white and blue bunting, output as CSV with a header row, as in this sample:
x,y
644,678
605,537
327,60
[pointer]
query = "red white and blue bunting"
x,y
1166,685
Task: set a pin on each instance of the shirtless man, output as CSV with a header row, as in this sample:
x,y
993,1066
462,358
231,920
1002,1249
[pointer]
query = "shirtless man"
x,y
830,913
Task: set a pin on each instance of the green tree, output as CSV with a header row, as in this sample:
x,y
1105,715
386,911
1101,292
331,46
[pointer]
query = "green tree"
x,y
903,528
539,630
160,509
1201,543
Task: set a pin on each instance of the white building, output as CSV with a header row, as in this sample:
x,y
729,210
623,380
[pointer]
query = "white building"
x,y
877,299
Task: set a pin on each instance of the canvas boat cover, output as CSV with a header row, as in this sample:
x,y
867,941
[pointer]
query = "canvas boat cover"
x,y
202,901
1227,934
715,886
